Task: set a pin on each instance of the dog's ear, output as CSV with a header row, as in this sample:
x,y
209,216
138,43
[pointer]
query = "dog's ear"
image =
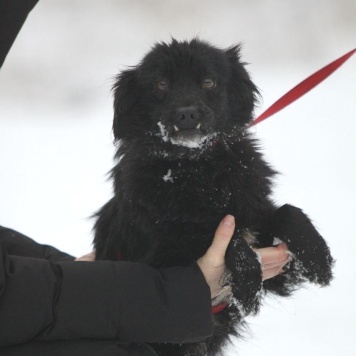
x,y
125,96
233,53
243,93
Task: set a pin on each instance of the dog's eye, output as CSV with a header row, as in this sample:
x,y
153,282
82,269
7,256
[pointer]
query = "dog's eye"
x,y
162,85
208,83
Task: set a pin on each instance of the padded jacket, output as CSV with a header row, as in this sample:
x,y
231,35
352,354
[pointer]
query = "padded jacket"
x,y
51,305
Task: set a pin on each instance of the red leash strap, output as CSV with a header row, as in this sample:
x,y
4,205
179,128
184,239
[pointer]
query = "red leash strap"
x,y
303,87
218,308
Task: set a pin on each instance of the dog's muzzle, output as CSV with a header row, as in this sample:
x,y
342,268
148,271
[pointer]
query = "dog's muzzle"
x,y
190,125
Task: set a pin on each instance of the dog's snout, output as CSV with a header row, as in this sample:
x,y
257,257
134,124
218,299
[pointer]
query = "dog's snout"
x,y
187,117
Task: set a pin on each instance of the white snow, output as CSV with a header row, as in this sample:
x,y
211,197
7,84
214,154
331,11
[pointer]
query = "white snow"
x,y
168,177
259,258
195,142
164,132
277,241
56,142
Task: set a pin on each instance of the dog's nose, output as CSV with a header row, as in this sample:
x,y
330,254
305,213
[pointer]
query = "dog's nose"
x,y
187,117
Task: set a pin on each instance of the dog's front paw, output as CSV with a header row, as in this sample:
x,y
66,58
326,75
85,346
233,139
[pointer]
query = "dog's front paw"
x,y
246,275
311,255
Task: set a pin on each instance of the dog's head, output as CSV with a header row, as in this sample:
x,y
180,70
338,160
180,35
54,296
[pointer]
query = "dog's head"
x,y
183,93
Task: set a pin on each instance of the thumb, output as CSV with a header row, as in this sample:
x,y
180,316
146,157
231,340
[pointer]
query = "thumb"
x,y
216,252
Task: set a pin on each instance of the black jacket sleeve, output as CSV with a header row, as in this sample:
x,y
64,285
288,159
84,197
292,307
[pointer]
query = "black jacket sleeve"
x,y
20,245
13,14
128,302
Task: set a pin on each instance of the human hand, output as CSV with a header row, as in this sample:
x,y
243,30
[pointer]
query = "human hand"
x,y
212,264
273,259
88,257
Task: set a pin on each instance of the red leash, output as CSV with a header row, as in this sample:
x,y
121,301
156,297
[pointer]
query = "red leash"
x,y
288,98
303,87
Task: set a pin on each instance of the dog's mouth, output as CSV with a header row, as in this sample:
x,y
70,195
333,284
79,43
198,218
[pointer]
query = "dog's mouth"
x,y
191,138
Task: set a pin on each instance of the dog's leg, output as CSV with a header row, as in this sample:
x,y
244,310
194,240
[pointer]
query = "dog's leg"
x,y
246,275
311,255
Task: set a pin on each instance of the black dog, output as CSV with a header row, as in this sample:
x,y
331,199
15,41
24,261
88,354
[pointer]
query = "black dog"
x,y
185,160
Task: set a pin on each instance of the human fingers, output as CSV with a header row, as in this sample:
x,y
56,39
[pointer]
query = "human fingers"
x,y
88,257
212,264
279,264
215,255
272,272
273,269
273,259
270,255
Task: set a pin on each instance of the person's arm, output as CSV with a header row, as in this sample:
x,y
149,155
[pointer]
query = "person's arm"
x,y
18,244
13,14
133,302
40,300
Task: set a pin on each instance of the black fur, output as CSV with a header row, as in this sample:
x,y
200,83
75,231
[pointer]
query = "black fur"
x,y
169,198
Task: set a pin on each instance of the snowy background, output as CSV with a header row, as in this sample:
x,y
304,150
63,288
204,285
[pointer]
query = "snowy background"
x,y
56,141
